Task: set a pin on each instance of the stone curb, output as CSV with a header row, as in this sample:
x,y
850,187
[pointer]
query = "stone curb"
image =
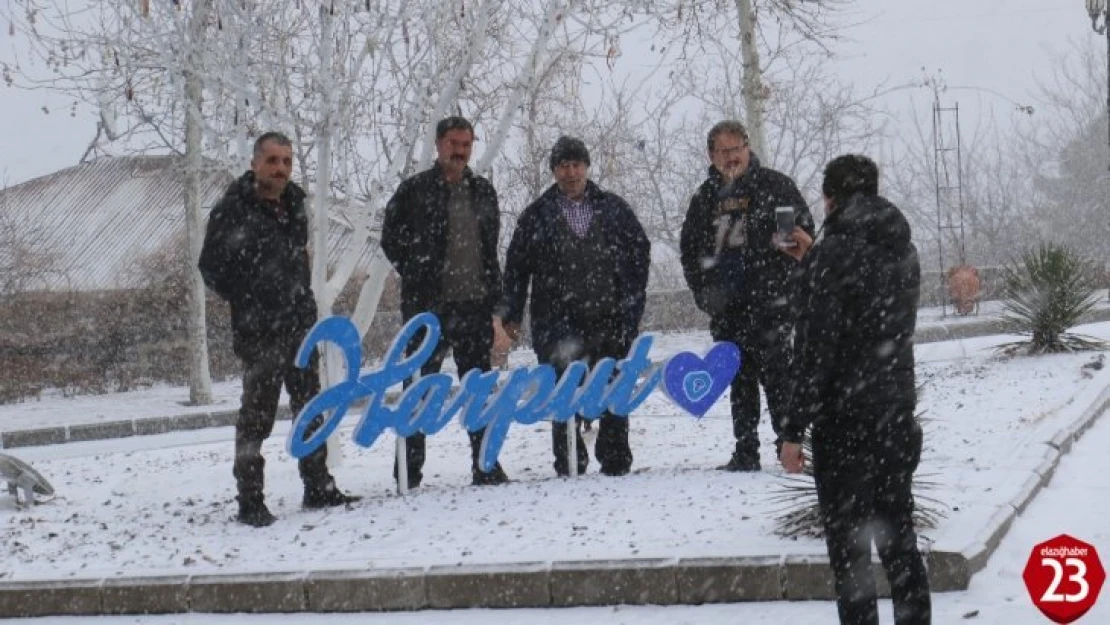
x,y
198,420
985,327
122,429
976,554
526,585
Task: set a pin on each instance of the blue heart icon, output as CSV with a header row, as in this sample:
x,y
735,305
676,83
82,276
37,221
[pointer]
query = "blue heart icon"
x,y
695,383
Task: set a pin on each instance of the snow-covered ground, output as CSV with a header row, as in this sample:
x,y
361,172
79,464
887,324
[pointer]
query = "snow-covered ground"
x,y
937,315
163,504
1076,502
982,410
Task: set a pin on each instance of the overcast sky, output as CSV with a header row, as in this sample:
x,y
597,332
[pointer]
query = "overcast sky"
x,y
995,48
989,52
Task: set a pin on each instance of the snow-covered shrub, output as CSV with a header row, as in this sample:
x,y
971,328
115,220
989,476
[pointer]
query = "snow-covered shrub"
x,y
1046,293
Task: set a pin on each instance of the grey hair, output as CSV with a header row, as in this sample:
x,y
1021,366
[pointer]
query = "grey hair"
x,y
729,127
273,136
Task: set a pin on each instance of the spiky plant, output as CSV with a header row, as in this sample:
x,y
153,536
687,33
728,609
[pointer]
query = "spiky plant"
x,y
800,515
1045,294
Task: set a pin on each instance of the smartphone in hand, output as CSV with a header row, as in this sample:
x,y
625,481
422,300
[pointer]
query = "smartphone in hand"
x,y
784,221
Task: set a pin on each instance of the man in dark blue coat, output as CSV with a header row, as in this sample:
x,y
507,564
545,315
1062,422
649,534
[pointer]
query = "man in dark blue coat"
x,y
586,257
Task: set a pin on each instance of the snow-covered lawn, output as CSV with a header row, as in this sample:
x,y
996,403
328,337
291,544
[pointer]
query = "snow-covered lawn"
x,y
1077,502
163,504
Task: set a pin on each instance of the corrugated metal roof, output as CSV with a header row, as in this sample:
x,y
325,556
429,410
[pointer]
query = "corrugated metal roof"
x,y
103,218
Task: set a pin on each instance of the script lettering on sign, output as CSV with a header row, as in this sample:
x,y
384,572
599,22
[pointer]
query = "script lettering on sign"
x,y
525,396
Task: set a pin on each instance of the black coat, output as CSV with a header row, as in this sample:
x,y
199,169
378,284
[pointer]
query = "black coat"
x,y
857,311
414,237
256,258
534,258
747,284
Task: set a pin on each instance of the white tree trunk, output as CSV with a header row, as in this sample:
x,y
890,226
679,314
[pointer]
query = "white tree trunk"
x,y
200,381
242,145
323,170
754,103
371,292
525,81
451,87
331,363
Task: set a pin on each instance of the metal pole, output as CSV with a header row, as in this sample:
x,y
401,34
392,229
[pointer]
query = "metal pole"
x,y
1106,27
938,143
572,446
960,186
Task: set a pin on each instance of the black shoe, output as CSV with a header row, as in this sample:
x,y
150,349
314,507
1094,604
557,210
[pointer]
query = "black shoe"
x,y
615,471
327,497
253,512
738,464
496,477
561,468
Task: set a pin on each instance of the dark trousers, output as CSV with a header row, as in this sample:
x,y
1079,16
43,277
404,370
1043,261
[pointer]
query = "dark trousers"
x,y
765,359
268,364
591,340
864,489
467,332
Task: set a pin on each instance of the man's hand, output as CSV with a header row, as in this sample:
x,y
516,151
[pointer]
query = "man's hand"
x,y
502,344
792,458
797,246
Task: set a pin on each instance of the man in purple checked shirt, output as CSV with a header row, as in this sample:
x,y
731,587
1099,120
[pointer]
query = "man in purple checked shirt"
x,y
586,256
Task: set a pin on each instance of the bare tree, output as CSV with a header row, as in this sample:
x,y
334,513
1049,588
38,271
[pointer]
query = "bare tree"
x,y
753,35
651,138
136,57
1066,153
995,190
1037,175
27,259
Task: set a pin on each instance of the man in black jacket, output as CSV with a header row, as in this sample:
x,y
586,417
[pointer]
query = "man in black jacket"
x,y
853,381
440,232
738,277
586,257
255,257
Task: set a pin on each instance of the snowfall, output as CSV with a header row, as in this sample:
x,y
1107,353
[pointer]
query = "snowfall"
x,y
156,505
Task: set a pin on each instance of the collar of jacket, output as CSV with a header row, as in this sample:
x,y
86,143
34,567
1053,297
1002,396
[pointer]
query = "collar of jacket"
x,y
847,216
467,175
290,197
872,218
592,195
753,167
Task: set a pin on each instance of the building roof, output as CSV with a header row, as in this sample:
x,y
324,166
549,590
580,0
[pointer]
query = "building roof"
x,y
102,219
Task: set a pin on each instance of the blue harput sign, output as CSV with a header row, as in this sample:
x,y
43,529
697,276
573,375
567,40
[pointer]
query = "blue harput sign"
x,y
526,396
